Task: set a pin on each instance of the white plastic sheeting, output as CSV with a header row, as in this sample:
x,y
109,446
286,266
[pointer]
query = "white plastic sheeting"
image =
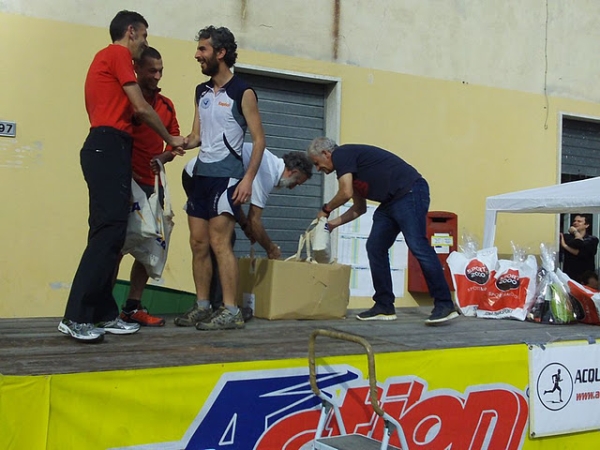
x,y
574,197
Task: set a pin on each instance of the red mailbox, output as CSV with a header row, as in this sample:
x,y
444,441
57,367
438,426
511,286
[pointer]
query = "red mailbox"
x,y
442,229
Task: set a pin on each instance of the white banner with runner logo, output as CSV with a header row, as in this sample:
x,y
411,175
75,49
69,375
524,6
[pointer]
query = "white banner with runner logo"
x,y
564,388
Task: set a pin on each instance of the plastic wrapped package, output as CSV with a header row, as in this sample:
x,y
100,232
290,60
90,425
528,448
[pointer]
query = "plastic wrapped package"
x,y
585,300
552,302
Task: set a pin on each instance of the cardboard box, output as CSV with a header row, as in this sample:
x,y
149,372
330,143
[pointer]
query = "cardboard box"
x,y
278,289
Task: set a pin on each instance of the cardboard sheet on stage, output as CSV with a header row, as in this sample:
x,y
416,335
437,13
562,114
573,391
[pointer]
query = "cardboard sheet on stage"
x,y
294,289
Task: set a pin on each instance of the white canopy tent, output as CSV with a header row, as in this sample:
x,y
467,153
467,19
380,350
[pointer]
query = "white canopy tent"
x,y
574,197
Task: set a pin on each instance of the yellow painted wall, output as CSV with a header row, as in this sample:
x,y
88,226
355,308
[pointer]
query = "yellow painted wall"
x,y
468,141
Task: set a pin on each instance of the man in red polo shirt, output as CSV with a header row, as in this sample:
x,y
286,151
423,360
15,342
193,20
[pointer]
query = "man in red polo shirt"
x,y
148,148
112,97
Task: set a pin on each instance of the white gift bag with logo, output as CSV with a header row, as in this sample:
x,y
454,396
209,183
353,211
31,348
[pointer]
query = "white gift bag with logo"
x,y
150,248
142,221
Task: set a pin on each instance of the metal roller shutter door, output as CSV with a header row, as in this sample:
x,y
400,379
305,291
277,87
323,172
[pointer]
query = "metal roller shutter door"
x,y
580,150
580,160
293,113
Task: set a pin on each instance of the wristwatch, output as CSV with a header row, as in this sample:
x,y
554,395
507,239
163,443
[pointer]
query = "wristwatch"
x,y
325,209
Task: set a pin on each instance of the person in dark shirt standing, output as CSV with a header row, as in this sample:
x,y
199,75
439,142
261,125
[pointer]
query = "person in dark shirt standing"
x,y
367,172
112,98
578,248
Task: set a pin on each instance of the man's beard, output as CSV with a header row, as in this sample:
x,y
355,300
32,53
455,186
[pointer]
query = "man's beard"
x,y
285,182
212,67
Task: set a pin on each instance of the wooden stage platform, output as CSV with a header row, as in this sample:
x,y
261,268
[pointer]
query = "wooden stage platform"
x,y
35,347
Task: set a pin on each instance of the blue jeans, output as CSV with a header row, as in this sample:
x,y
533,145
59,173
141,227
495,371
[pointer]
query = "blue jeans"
x,y
407,214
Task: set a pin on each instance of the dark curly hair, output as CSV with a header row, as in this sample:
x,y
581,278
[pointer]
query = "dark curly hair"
x,y
299,161
221,38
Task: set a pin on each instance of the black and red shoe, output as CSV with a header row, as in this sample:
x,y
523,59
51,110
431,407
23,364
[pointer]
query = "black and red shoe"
x,y
142,317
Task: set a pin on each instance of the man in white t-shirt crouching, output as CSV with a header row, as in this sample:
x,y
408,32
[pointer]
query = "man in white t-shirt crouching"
x,y
288,172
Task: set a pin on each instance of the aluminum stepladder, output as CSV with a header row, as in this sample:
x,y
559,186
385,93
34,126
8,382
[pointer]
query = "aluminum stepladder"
x,y
350,441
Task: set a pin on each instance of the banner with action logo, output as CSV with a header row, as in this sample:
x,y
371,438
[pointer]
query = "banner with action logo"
x,y
564,384
460,399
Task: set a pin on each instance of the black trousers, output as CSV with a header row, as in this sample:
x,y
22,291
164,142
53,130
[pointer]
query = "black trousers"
x,y
106,164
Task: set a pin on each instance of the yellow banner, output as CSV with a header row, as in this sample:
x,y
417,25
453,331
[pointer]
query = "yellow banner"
x,y
24,412
474,398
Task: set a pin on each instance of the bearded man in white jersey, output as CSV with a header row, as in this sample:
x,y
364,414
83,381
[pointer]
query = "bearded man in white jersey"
x,y
225,107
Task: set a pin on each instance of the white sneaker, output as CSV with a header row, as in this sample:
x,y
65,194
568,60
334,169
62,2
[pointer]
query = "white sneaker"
x,y
83,332
119,326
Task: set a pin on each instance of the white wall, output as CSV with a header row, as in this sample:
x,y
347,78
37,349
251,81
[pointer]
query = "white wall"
x,y
491,43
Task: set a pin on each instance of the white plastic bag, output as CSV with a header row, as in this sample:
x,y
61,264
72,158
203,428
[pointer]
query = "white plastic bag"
x,y
307,240
150,249
320,240
552,302
472,273
142,222
512,293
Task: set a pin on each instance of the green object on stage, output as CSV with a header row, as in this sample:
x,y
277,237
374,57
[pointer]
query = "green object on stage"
x,y
157,299
560,305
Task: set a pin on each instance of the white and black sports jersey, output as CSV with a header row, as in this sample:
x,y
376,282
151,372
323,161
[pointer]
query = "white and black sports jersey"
x,y
268,175
222,129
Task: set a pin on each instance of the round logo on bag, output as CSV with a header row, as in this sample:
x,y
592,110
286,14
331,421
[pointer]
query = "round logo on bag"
x,y
509,280
477,272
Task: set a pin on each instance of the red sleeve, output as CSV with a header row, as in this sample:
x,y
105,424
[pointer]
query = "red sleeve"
x,y
173,125
123,68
